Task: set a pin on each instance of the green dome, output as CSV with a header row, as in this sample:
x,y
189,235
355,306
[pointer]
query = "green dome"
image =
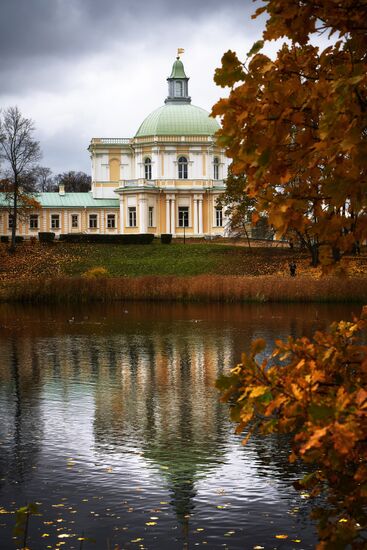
x,y
178,120
178,70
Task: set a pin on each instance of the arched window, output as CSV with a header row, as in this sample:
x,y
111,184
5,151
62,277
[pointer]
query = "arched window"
x,y
178,88
148,168
182,168
216,168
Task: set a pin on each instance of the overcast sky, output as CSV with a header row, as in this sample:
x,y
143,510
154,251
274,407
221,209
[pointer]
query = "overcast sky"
x,y
89,68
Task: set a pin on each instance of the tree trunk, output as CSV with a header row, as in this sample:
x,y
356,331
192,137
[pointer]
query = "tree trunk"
x,y
314,249
14,222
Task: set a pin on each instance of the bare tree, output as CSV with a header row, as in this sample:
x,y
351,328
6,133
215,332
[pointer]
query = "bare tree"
x,y
74,182
44,178
20,152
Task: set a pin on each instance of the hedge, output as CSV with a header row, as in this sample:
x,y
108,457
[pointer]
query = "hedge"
x,y
6,238
166,238
46,237
131,238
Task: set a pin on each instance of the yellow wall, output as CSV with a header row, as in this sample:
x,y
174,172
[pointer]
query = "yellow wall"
x,y
114,162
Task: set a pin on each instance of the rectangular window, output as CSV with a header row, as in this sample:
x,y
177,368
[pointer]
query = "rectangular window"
x,y
33,221
219,217
75,221
132,216
10,221
183,216
111,221
55,221
151,216
93,221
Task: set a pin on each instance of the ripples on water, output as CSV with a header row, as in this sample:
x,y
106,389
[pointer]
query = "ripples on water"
x,y
110,421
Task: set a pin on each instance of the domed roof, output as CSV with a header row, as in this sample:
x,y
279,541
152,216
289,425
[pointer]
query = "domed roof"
x,y
178,120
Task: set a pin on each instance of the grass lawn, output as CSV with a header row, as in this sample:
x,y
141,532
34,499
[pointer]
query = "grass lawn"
x,y
33,260
154,259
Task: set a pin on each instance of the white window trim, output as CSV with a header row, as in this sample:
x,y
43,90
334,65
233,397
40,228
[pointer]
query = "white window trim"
x,y
93,214
115,220
215,217
136,216
189,216
60,219
38,224
71,220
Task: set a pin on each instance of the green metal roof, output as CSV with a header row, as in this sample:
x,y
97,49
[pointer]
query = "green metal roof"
x,y
178,70
74,200
178,120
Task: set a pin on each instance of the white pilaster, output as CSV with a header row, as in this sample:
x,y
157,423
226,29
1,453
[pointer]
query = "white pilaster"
x,y
196,221
168,216
173,215
143,215
122,218
200,215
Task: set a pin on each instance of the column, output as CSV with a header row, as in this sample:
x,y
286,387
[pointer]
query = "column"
x,y
122,217
173,215
200,215
196,221
66,221
168,216
143,216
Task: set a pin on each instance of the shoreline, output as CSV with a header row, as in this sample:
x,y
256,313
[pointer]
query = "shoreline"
x,y
198,288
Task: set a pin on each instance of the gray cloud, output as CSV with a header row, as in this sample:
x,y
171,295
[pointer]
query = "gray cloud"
x,y
71,27
84,68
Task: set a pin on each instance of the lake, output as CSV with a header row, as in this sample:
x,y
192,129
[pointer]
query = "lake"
x,y
110,421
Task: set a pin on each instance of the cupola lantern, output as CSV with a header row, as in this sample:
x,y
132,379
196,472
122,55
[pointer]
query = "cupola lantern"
x,y
178,83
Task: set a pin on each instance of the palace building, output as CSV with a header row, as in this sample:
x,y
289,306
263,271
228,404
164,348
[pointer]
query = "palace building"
x,y
165,179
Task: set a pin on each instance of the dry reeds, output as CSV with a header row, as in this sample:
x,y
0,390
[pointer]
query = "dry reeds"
x,y
201,288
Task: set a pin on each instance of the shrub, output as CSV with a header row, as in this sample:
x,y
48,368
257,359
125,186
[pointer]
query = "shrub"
x,y
166,238
4,238
133,238
46,237
96,273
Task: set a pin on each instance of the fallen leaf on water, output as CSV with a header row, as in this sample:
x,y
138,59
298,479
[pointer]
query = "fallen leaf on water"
x,y
137,540
200,529
281,536
343,520
151,523
296,540
45,535
258,547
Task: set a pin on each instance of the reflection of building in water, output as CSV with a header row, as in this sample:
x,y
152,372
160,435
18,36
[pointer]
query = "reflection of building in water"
x,y
165,397
153,390
21,425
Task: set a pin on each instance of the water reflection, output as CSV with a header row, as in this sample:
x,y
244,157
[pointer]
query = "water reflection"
x,y
119,402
